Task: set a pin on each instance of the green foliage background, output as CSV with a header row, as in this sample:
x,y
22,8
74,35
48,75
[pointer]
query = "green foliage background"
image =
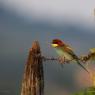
x,y
88,91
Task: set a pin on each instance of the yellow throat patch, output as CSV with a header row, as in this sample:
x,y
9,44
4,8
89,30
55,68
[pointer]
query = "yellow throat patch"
x,y
54,45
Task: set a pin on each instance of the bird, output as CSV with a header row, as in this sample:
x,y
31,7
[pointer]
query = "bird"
x,y
65,52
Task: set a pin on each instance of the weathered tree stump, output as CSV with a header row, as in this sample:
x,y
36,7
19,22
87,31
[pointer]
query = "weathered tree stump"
x,y
33,81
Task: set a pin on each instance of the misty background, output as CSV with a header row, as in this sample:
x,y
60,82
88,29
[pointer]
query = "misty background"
x,y
24,21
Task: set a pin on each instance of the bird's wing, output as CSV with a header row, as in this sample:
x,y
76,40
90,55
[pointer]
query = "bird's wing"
x,y
68,47
70,51
76,58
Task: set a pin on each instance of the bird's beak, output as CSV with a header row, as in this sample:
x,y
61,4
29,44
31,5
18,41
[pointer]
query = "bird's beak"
x,y
54,45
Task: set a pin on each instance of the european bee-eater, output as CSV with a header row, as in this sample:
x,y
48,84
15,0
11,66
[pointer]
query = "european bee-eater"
x,y
65,51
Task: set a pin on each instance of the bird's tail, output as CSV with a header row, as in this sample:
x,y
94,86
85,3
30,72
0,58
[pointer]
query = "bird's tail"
x,y
82,66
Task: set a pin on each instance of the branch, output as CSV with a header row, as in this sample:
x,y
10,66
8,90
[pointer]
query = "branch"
x,y
62,60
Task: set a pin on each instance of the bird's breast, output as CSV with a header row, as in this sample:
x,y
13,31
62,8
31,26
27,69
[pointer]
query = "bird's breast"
x,y
64,53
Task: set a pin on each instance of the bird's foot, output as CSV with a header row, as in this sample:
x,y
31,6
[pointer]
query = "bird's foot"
x,y
61,60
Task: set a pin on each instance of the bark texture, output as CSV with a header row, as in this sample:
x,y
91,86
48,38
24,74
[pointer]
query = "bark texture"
x,y
33,80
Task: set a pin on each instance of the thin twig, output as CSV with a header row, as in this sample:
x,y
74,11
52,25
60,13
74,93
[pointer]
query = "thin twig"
x,y
49,58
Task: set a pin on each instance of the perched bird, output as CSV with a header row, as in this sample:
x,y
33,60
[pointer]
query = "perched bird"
x,y
65,51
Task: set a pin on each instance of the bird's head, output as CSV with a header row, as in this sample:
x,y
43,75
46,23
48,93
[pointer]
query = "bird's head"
x,y
57,43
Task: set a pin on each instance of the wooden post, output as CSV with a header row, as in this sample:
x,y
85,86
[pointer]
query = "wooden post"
x,y
33,81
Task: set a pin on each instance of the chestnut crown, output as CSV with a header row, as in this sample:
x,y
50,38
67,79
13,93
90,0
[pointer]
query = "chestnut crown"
x,y
58,42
